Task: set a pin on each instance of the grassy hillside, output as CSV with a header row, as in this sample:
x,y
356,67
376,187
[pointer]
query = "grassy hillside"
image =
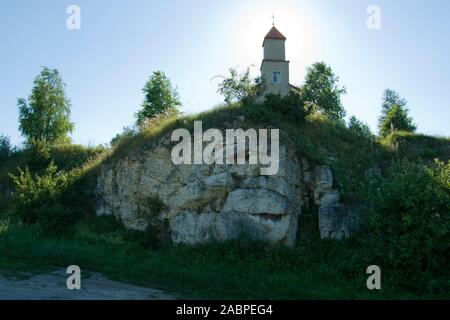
x,y
315,137
66,157
402,220
418,147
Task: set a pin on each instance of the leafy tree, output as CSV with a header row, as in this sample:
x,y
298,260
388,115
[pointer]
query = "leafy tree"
x,y
240,87
160,97
6,148
359,127
322,90
390,98
397,120
45,117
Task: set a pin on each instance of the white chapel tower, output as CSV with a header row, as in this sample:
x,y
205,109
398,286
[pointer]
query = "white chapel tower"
x,y
274,67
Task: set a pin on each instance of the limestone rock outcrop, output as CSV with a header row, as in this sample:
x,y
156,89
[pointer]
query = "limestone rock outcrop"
x,y
336,220
201,203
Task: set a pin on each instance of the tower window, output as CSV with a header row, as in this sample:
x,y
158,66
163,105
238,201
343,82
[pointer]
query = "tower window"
x,y
276,76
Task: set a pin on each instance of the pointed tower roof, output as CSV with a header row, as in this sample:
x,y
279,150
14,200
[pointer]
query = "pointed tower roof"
x,y
274,34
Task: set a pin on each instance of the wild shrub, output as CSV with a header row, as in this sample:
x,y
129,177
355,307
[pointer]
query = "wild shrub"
x,y
49,199
56,219
290,106
409,223
38,156
277,109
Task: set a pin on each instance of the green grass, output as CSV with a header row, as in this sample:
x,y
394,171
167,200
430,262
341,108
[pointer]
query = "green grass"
x,y
214,118
312,270
418,147
65,157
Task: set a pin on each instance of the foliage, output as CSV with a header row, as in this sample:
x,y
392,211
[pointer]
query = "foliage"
x,y
390,98
350,155
350,152
56,219
239,87
394,114
45,117
38,156
312,270
34,192
321,89
105,224
149,131
409,223
5,205
418,147
127,132
55,200
6,148
396,120
360,128
160,97
275,109
291,107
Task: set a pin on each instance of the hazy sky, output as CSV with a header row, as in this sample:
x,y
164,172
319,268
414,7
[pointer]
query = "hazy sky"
x,y
106,63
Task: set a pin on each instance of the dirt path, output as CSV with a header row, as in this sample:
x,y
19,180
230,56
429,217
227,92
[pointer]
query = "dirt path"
x,y
94,286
